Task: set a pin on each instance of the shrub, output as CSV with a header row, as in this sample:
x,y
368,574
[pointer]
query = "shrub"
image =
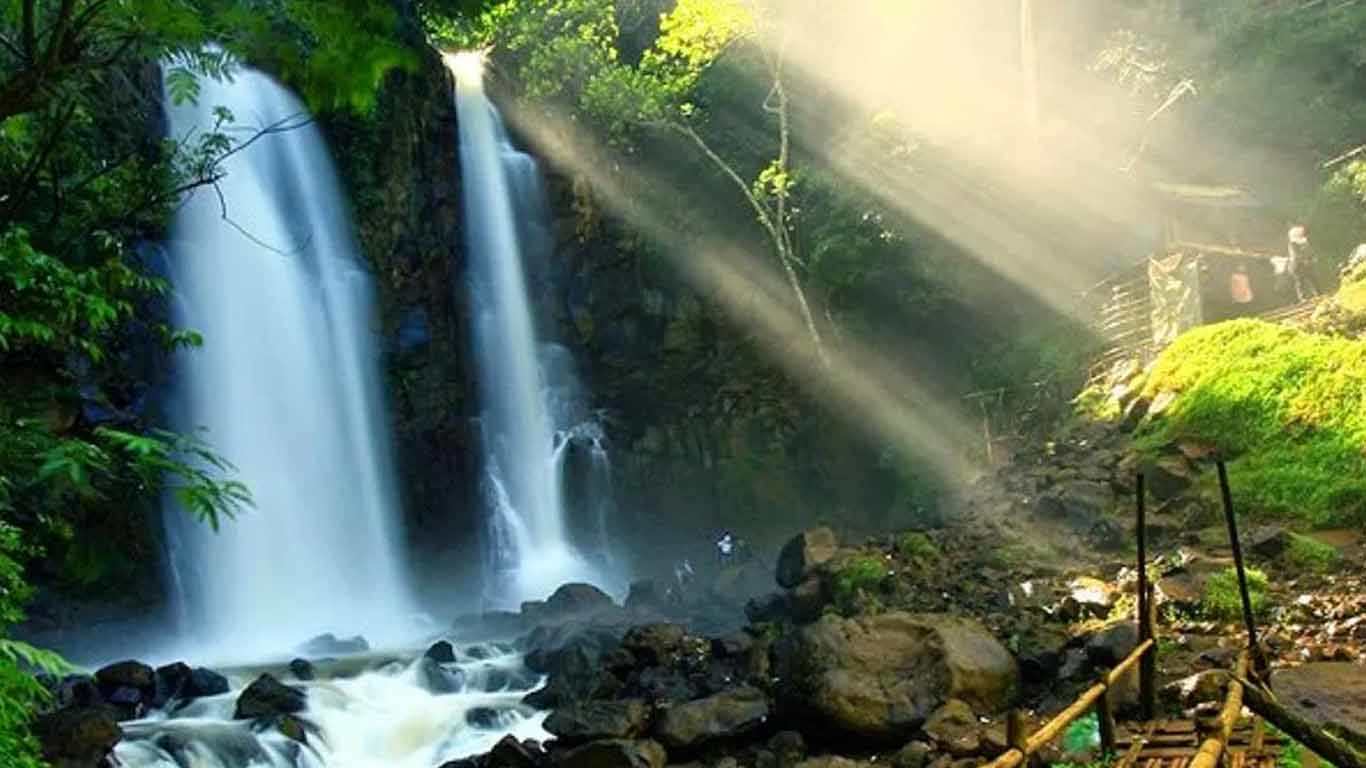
x,y
1222,599
857,575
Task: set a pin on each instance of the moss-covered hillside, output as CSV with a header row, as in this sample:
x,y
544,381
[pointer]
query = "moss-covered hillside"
x,y
1287,407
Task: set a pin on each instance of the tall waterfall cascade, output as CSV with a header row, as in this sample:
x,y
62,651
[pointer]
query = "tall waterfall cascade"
x,y
526,425
287,387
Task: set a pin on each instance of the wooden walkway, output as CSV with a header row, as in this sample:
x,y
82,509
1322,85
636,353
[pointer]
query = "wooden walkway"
x,y
1174,743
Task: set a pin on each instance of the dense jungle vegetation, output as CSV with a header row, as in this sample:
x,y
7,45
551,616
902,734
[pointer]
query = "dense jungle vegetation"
x,y
662,98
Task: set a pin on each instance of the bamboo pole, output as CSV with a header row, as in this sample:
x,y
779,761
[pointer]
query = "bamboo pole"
x,y
1147,677
1213,747
1329,746
1237,546
1105,717
1021,747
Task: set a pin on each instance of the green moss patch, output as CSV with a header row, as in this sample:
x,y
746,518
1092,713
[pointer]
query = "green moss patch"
x,y
1222,599
856,575
1311,554
916,546
1287,408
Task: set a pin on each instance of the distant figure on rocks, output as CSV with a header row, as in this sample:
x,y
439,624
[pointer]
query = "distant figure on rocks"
x,y
725,547
1240,285
1302,263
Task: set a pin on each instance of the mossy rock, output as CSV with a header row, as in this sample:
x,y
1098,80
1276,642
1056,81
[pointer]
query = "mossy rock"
x,y
1222,599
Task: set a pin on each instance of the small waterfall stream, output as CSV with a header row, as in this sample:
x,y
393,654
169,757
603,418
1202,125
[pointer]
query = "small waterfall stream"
x,y
531,550
287,386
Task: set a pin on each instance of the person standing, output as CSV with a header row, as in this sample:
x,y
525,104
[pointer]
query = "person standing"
x,y
1302,263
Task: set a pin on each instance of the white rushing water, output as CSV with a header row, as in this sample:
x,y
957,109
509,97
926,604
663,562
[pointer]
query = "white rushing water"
x,y
531,549
384,714
287,386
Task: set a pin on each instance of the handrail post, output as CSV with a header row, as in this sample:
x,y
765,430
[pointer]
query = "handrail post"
x,y
1105,716
1259,663
1016,734
1147,670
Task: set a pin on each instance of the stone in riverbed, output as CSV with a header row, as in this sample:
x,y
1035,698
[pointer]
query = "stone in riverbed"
x,y
511,753
442,652
206,682
615,753
483,717
801,555
657,644
435,678
268,697
585,721
302,669
721,716
127,674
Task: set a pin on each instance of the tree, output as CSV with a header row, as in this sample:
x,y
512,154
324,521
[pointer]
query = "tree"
x,y
568,51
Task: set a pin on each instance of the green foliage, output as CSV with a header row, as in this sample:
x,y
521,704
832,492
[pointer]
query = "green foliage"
x,y
916,546
1222,599
856,578
1311,555
1287,408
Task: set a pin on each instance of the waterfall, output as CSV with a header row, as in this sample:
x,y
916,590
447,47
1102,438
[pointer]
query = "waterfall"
x,y
287,386
531,552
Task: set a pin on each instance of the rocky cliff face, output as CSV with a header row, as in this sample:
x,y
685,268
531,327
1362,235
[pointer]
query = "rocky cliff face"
x,y
401,167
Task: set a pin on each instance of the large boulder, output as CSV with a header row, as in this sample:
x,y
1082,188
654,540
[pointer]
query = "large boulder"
x,y
574,673
721,716
801,555
434,678
268,697
615,753
580,722
80,737
569,600
130,686
881,676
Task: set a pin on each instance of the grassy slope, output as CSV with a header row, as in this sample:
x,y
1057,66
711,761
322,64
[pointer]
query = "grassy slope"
x,y
1287,407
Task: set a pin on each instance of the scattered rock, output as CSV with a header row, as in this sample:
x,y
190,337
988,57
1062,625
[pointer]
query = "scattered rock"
x,y
788,747
801,555
511,753
441,652
615,753
267,697
1079,502
954,728
1112,644
581,722
1089,597
733,646
292,728
81,737
721,716
1194,689
77,691
914,755
807,601
656,644
1269,543
1168,476
302,669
